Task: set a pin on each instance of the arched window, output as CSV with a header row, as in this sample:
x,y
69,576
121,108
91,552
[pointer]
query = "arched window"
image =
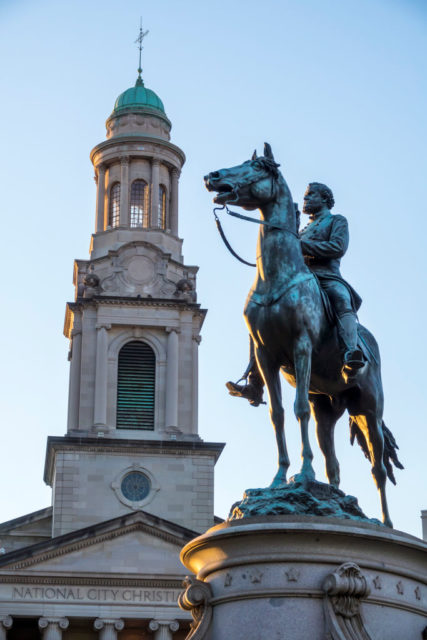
x,y
114,208
136,386
161,215
139,204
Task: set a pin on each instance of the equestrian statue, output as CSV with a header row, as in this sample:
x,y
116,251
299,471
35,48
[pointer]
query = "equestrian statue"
x,y
301,316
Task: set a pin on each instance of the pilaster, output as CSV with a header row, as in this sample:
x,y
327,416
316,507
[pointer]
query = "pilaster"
x,y
174,201
124,191
172,378
100,198
75,369
195,390
101,371
155,166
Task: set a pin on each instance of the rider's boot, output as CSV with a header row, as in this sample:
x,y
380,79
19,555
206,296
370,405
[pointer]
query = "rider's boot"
x,y
252,390
353,356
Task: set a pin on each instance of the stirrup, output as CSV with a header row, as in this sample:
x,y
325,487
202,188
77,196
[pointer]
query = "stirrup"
x,y
353,360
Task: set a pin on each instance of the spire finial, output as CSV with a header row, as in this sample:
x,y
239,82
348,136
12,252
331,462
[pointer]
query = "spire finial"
x,y
140,38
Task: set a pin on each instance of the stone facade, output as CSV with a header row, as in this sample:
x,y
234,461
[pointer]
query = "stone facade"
x,y
103,560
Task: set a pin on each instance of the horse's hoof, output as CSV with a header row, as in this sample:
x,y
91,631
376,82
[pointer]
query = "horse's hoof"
x,y
305,477
279,480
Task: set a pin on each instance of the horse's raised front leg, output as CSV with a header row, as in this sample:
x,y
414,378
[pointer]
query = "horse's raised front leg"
x,y
271,375
302,363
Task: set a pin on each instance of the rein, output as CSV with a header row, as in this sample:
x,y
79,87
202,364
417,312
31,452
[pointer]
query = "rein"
x,y
234,214
224,237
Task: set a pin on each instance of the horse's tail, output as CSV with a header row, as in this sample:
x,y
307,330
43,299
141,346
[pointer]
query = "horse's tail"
x,y
390,447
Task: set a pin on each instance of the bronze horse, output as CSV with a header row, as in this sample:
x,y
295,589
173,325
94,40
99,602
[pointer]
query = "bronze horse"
x,y
292,334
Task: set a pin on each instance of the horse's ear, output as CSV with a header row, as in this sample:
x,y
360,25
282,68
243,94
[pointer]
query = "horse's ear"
x,y
267,151
254,156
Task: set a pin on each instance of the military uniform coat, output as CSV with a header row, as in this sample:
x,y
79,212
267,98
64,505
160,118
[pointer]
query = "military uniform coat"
x,y
324,241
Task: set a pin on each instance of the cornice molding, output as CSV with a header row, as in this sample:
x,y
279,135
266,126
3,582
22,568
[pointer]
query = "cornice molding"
x,y
113,445
84,580
97,301
118,141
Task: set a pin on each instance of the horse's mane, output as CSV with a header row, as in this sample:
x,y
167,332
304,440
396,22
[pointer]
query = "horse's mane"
x,y
270,165
273,167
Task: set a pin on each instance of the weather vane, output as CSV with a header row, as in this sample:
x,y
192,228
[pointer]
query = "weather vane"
x,y
138,41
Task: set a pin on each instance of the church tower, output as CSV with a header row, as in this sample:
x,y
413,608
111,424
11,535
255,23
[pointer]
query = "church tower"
x,y
132,481
134,328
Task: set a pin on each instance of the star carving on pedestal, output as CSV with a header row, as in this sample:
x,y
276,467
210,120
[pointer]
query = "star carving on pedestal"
x,y
377,582
228,580
292,574
399,587
255,575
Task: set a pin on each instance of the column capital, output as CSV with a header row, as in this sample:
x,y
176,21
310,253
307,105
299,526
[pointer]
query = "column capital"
x,y
170,625
197,339
100,168
6,621
173,330
175,172
113,623
103,325
46,622
124,160
155,161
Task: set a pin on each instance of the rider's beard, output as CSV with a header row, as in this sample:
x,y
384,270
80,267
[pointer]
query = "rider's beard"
x,y
311,210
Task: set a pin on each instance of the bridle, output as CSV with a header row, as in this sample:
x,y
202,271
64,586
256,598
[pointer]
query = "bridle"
x,y
240,216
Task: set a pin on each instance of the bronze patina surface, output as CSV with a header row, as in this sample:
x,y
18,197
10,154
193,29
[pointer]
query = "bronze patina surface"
x,y
290,330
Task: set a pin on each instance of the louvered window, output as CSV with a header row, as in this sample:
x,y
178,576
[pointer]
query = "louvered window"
x,y
136,386
114,211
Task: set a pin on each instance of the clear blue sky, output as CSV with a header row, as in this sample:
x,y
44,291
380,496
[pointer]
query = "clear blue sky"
x,y
339,90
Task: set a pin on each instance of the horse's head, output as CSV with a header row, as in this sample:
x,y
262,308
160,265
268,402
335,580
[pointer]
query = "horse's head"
x,y
249,185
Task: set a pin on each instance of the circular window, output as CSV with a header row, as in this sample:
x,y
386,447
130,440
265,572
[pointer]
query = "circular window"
x,y
135,486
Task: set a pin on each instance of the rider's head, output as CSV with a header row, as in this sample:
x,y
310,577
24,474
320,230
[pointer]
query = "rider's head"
x,y
317,197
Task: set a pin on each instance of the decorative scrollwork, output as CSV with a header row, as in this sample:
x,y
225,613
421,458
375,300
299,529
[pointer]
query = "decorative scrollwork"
x,y
196,598
344,589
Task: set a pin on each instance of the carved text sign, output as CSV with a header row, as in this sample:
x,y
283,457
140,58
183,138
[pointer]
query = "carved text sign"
x,y
89,595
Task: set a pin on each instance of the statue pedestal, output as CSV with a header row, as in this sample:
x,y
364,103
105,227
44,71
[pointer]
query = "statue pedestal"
x,y
300,577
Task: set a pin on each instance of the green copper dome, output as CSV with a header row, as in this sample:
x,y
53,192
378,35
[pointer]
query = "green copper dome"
x,y
138,97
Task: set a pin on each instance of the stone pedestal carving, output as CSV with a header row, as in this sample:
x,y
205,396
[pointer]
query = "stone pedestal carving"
x,y
196,598
344,590
52,628
163,629
5,624
305,577
108,628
